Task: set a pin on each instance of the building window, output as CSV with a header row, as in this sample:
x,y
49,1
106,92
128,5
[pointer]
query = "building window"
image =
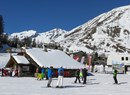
x,y
126,58
122,58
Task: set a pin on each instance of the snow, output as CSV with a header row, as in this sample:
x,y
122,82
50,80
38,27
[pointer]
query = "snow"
x,y
21,59
76,48
4,58
99,84
24,34
55,58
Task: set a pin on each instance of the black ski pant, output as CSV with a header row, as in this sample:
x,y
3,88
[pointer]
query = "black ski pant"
x,y
84,79
115,79
77,78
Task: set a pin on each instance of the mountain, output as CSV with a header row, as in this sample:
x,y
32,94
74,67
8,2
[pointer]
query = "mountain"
x,y
51,36
23,34
108,32
47,37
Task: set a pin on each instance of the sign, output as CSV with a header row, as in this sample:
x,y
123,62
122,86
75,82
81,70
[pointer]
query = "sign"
x,y
120,67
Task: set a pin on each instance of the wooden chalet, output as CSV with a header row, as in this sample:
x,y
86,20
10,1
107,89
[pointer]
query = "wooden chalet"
x,y
20,64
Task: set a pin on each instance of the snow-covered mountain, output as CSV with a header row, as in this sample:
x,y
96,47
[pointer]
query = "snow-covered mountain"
x,y
108,32
47,37
22,35
55,35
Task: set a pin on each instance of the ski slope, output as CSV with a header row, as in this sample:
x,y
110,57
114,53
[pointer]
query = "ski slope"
x,y
100,84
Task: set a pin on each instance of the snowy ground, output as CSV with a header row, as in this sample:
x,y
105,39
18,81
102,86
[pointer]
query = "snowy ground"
x,y
100,84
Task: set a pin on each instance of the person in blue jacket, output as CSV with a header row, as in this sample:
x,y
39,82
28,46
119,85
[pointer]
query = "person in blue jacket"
x,y
50,75
42,73
60,77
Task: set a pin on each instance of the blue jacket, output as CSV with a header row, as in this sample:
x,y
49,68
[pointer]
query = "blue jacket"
x,y
50,73
42,70
60,71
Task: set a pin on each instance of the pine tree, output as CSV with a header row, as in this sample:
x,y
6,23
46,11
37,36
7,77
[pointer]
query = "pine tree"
x,y
1,30
1,25
34,43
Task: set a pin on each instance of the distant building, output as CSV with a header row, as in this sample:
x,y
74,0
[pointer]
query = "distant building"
x,y
119,61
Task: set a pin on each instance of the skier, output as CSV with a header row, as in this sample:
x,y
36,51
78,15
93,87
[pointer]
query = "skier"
x,y
39,74
2,72
115,77
10,74
81,74
42,72
46,73
85,73
77,73
50,75
36,73
60,77
13,73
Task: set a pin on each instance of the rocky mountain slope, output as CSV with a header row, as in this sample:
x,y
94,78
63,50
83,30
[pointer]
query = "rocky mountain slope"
x,y
109,32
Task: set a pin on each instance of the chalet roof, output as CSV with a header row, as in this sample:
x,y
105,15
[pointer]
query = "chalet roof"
x,y
4,58
55,58
20,59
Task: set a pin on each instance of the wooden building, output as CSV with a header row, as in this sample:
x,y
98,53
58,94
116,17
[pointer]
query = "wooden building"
x,y
20,65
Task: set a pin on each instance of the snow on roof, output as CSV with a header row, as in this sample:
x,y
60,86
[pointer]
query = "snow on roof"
x,y
20,59
4,58
55,58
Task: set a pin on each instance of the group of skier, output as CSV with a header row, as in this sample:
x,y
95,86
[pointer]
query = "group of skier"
x,y
79,74
41,73
60,77
48,73
83,74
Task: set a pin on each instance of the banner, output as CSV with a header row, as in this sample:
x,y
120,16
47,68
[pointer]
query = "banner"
x,y
89,60
82,59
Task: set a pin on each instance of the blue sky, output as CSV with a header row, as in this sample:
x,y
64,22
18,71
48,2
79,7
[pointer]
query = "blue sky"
x,y
44,15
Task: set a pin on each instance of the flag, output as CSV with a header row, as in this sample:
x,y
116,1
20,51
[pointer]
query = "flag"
x,y
89,60
82,59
